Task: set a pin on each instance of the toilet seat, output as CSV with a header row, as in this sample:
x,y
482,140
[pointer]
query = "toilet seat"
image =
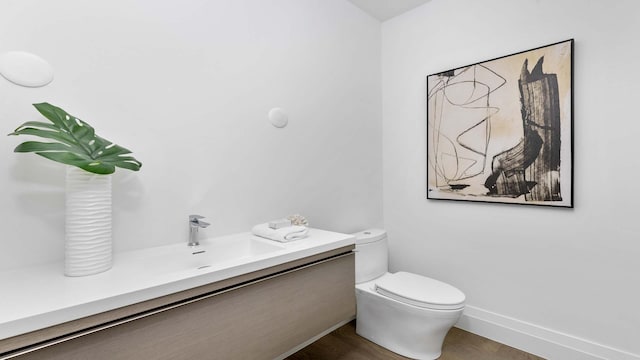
x,y
420,291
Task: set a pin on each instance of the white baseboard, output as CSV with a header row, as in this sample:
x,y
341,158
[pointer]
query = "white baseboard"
x,y
535,339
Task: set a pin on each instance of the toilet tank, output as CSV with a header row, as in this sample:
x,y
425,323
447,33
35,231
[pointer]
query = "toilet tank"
x,y
371,254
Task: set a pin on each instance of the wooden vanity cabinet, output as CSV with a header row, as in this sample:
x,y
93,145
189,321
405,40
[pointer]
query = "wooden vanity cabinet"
x,y
263,315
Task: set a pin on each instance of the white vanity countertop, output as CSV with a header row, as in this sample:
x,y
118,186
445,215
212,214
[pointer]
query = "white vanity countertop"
x,y
37,297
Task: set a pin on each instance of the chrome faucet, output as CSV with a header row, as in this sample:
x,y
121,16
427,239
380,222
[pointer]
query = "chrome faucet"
x,y
194,225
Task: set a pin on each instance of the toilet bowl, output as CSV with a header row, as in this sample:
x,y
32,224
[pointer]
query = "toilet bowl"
x,y
406,313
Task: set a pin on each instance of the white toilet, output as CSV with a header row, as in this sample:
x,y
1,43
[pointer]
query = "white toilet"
x,y
406,313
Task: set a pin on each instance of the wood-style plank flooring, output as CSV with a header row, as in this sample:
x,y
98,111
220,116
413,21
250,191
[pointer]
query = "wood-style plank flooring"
x,y
345,344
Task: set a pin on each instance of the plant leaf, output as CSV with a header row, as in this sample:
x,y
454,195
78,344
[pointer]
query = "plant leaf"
x,y
131,164
76,143
37,124
68,158
60,137
33,146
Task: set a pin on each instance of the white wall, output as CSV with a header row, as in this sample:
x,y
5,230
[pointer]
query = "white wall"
x,y
187,85
576,277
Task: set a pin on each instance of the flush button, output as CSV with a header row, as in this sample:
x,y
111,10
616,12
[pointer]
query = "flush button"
x,y
367,232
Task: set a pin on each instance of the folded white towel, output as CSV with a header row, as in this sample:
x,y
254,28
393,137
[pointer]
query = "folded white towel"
x,y
285,234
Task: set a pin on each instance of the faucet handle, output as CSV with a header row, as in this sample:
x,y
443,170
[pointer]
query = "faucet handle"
x,y
195,220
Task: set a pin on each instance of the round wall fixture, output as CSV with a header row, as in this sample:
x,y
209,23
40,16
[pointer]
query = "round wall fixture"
x,y
25,69
278,117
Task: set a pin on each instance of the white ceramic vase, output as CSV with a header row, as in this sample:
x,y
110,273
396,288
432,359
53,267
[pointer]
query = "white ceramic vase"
x,y
88,248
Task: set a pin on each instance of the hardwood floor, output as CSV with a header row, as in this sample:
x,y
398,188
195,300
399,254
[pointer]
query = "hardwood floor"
x,y
345,344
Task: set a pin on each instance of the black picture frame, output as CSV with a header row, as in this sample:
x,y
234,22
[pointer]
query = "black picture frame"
x,y
501,130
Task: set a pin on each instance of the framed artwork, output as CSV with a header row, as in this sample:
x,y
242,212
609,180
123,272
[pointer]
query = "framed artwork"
x,y
502,130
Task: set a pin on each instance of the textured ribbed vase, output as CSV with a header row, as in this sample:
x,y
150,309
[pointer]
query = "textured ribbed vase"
x,y
88,247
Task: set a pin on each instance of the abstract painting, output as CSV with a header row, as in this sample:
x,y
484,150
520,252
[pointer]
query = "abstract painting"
x,y
502,130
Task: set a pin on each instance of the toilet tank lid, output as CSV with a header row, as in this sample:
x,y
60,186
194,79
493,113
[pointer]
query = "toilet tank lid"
x,y
420,291
369,236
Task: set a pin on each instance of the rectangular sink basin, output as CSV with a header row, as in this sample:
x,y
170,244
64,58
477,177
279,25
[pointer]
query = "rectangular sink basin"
x,y
230,248
215,252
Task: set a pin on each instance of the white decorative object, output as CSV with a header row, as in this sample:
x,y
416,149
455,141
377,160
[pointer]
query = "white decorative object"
x,y
278,117
298,219
88,248
25,69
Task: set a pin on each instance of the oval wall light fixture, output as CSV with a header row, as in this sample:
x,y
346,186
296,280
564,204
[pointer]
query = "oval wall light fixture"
x,y
278,117
25,69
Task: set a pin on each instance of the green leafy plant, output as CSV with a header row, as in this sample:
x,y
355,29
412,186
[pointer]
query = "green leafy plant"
x,y
75,143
